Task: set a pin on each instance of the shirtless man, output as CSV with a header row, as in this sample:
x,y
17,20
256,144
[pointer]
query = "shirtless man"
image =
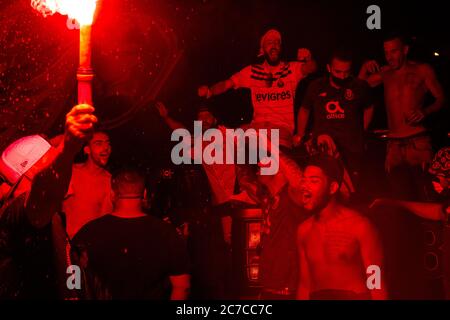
x,y
336,244
406,84
89,195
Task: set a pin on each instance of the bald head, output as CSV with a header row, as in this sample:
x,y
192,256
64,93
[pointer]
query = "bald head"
x,y
128,183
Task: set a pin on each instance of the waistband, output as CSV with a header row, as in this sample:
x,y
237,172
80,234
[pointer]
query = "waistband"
x,y
281,292
417,135
336,294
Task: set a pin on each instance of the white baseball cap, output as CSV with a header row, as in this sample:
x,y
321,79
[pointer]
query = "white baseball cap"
x,y
21,155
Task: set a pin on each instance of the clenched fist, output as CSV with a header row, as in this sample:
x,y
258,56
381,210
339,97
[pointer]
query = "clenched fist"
x,y
203,92
304,54
371,66
80,124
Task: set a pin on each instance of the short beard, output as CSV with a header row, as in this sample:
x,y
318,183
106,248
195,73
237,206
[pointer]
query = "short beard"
x,y
343,83
270,62
99,163
322,205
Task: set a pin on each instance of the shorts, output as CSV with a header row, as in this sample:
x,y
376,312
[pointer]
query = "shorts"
x,y
411,151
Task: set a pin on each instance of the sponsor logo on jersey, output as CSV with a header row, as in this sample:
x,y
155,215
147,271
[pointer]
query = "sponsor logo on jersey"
x,y
273,96
334,110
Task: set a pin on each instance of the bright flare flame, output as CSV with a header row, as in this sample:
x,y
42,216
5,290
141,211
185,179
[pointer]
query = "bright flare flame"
x,y
80,10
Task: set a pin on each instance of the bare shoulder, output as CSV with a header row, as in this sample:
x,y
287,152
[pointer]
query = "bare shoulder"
x,y
425,69
77,166
420,68
305,226
359,222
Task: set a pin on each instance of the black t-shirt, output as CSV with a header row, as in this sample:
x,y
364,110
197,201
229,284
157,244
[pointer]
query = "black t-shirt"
x,y
27,269
279,257
134,257
339,112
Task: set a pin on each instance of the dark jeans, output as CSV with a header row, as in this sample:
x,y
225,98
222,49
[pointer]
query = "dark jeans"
x,y
406,162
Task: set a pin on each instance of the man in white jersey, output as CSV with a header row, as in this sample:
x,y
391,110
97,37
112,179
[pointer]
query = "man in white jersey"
x,y
272,83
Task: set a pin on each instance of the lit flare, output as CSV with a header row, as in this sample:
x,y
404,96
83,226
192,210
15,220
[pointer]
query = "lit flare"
x,y
80,10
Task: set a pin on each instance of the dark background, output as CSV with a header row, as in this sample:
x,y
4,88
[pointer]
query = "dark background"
x,y
135,42
220,37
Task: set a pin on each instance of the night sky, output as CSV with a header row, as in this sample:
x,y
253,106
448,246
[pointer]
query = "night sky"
x,y
163,50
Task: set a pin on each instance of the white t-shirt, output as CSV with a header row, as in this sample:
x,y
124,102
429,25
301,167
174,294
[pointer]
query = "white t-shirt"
x,y
272,93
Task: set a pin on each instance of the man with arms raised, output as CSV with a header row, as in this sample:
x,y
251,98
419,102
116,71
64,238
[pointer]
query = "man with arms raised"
x,y
272,83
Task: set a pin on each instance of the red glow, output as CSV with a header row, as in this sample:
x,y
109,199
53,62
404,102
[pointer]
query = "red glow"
x,y
80,10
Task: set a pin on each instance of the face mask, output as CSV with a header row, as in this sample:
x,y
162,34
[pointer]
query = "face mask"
x,y
341,82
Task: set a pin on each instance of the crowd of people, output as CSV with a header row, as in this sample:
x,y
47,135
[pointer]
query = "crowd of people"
x,y
314,244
